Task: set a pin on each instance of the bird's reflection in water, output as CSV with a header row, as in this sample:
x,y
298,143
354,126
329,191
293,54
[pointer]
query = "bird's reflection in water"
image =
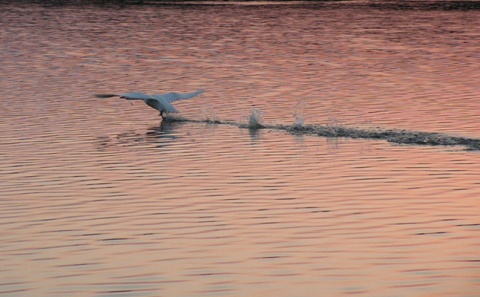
x,y
161,135
164,133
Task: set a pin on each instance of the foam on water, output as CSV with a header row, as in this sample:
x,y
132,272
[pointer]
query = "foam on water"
x,y
333,129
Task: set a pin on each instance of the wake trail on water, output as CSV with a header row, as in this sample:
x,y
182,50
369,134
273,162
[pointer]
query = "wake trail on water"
x,y
255,121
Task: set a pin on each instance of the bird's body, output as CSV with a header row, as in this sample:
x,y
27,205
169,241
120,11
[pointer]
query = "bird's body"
x,y
160,102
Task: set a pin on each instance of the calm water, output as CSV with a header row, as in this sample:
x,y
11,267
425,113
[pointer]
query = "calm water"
x,y
98,198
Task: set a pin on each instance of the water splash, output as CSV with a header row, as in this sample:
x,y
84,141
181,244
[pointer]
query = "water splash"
x,y
299,114
390,135
208,113
337,130
255,120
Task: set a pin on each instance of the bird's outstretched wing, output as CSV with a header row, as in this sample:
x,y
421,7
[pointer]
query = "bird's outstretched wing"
x,y
173,96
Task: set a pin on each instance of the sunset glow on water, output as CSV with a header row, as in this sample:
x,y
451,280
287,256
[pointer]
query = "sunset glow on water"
x,y
100,198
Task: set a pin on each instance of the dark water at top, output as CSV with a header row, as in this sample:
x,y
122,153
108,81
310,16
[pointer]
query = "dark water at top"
x,y
99,198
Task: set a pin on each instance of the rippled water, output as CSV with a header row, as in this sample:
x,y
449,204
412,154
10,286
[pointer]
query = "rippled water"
x,y
99,198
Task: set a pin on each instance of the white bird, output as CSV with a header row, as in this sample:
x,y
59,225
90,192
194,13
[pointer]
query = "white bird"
x,y
160,102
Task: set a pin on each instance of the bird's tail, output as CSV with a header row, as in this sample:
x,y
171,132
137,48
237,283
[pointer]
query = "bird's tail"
x,y
105,95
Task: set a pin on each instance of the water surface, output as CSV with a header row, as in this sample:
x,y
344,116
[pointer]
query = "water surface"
x,y
99,198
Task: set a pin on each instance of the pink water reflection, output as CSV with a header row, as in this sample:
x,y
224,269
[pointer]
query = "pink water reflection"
x,y
99,199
